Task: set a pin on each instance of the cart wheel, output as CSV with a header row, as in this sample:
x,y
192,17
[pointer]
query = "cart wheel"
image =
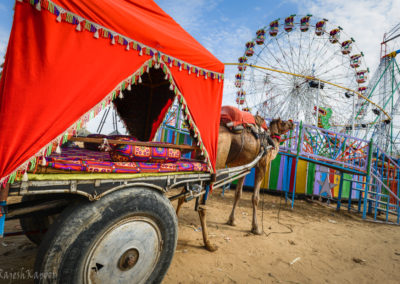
x,y
36,225
128,236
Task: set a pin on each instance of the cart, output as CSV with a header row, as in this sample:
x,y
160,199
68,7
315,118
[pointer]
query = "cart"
x,y
65,62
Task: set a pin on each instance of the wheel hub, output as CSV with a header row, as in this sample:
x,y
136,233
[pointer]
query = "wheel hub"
x,y
128,259
126,253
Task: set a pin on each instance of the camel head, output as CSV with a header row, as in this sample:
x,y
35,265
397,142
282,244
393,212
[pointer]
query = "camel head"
x,y
259,120
279,127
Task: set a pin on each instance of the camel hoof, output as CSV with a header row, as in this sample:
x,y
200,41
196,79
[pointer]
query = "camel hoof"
x,y
210,247
231,222
256,231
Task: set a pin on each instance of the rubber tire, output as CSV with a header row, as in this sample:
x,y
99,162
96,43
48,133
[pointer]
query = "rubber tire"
x,y
68,242
36,222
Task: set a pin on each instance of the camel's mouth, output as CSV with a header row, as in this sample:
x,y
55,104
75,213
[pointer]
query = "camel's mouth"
x,y
290,125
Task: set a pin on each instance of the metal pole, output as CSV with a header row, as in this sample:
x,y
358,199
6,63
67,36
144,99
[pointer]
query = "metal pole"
x,y
340,192
352,125
103,120
370,149
296,161
398,192
177,121
115,120
391,111
319,89
350,193
206,194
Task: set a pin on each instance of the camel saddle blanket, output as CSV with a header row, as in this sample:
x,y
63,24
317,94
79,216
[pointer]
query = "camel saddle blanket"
x,y
235,119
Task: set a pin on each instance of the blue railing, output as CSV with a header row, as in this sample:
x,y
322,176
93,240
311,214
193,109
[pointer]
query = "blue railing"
x,y
381,190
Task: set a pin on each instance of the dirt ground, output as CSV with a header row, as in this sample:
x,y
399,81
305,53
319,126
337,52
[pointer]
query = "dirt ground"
x,y
310,244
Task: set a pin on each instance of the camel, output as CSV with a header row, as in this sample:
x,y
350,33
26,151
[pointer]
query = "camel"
x,y
240,149
228,156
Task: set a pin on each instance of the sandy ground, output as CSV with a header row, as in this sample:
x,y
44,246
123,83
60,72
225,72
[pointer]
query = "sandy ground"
x,y
311,244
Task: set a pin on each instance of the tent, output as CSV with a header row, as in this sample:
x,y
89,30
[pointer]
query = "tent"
x,y
68,59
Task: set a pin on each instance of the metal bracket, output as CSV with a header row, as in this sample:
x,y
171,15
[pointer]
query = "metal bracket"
x,y
74,186
24,187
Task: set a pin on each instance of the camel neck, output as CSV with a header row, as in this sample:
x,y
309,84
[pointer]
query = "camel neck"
x,y
276,136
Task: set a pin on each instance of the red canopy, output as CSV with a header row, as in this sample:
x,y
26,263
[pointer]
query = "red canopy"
x,y
67,59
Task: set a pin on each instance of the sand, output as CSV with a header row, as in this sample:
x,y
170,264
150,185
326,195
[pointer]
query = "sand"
x,y
311,244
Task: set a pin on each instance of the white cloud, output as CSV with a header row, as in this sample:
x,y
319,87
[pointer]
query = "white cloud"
x,y
364,20
189,14
227,44
223,37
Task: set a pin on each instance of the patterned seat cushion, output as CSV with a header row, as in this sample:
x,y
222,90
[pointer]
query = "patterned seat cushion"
x,y
83,160
131,153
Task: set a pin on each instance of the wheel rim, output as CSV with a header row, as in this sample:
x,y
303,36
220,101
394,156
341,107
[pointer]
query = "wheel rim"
x,y
126,253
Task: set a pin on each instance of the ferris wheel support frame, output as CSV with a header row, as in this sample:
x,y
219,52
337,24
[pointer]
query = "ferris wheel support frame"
x,y
353,116
390,67
318,94
313,78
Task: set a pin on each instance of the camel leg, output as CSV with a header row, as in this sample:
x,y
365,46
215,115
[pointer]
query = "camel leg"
x,y
259,176
181,200
238,195
202,214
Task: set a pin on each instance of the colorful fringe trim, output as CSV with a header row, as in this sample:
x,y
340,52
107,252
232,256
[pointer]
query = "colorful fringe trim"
x,y
99,31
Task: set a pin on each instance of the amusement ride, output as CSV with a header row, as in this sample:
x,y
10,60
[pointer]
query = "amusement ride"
x,y
301,65
305,69
383,88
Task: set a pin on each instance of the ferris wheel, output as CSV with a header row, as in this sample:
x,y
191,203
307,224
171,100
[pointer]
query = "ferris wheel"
x,y
299,66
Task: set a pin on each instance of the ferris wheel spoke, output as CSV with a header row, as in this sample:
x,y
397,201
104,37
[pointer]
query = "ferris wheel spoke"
x,y
306,59
325,59
276,60
329,60
260,82
320,75
284,56
299,56
261,78
319,54
292,54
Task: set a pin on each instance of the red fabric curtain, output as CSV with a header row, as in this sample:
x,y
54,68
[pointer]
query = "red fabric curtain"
x,y
54,74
